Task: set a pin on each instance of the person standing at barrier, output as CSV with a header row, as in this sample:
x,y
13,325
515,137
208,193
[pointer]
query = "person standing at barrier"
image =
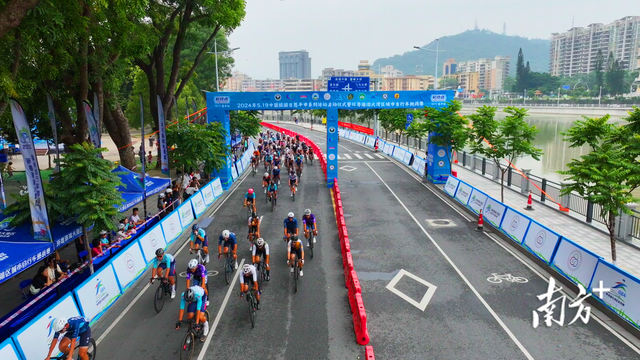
x,y
73,328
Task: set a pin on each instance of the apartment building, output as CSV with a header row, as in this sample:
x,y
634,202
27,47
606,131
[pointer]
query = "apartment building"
x,y
376,80
410,82
329,72
302,84
294,64
390,71
575,51
469,82
449,67
491,73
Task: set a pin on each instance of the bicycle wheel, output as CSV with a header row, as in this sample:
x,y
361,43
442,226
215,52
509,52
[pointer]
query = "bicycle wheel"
x,y
158,300
252,311
494,280
295,275
311,248
91,350
294,196
188,346
520,280
226,271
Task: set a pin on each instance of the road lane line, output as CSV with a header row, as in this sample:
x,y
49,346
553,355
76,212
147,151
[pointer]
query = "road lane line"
x,y
369,156
346,148
464,278
117,320
380,156
348,156
339,157
358,156
213,327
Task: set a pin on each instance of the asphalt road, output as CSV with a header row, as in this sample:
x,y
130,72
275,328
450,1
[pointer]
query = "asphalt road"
x,y
387,211
314,323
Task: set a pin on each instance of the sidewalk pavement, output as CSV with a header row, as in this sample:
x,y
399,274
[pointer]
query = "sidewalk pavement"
x,y
576,230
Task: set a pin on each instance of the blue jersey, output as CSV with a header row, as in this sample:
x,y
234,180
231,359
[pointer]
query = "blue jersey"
x,y
199,294
276,172
166,259
77,325
201,233
291,225
230,241
272,187
250,196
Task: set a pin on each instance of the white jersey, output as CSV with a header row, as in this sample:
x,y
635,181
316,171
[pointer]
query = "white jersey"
x,y
253,273
294,244
255,249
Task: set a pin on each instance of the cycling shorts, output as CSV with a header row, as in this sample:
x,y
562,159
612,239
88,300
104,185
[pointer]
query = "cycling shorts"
x,y
253,229
298,252
250,200
248,280
197,282
292,182
206,241
309,227
192,305
226,246
172,268
84,337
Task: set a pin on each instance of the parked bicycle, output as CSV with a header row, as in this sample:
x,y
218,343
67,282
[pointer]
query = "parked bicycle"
x,y
194,332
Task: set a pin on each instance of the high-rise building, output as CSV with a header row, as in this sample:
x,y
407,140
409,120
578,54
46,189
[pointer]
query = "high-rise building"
x,y
375,80
295,65
468,81
449,67
329,72
390,71
575,51
491,73
409,82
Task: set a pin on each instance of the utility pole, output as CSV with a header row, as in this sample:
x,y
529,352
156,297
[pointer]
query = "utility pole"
x,y
558,96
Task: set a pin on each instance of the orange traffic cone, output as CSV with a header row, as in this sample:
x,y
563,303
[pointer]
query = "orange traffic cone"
x,y
529,202
480,227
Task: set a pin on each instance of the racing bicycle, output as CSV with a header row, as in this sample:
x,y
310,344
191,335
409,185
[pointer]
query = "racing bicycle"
x,y
229,265
163,291
253,305
91,351
194,331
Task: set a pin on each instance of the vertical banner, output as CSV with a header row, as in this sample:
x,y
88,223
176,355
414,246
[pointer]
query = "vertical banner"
x,y
39,217
91,123
162,139
332,145
4,200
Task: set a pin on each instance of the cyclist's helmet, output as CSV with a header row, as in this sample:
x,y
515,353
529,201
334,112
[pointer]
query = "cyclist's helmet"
x,y
225,234
260,242
193,263
307,212
59,324
290,215
254,215
189,295
294,238
161,196
159,252
250,191
246,269
168,191
266,174
195,227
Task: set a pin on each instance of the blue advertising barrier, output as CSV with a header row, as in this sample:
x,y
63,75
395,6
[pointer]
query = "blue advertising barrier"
x,y
171,227
151,241
574,262
197,202
185,212
494,212
541,241
96,295
129,265
8,350
624,292
515,225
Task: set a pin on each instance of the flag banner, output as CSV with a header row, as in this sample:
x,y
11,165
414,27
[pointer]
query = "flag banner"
x,y
39,217
91,123
162,139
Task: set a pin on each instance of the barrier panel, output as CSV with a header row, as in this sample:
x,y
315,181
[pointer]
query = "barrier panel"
x,y
234,172
98,293
129,266
207,193
407,158
34,339
624,291
186,214
494,212
477,201
151,241
360,322
347,269
515,225
8,350
216,186
451,186
541,241
197,202
171,227
575,262
463,193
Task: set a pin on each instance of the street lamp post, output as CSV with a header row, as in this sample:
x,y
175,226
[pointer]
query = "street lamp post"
x,y
437,51
600,97
215,52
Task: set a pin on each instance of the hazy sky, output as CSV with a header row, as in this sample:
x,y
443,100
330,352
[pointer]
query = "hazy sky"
x,y
340,33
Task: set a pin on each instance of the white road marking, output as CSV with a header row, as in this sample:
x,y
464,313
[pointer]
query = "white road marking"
x,y
369,156
213,327
347,156
422,305
347,168
358,156
346,148
339,157
117,320
379,156
464,278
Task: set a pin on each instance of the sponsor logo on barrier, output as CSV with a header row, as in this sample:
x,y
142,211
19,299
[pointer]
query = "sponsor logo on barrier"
x,y
185,212
171,226
50,331
222,100
575,260
441,153
101,292
515,222
129,263
315,96
464,193
492,211
199,202
327,96
153,241
618,293
541,238
438,98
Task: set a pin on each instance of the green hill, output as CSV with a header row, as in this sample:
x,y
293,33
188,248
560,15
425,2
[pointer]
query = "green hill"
x,y
472,45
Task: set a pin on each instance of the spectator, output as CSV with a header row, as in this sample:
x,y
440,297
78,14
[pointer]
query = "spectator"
x,y
171,201
96,251
128,227
10,169
104,239
40,281
161,205
54,272
151,138
79,242
122,233
150,158
134,219
64,264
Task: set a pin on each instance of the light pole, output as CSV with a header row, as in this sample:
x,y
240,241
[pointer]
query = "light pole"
x,y
600,97
558,96
215,52
437,51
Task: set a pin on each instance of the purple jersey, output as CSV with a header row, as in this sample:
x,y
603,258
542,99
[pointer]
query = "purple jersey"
x,y
309,220
201,272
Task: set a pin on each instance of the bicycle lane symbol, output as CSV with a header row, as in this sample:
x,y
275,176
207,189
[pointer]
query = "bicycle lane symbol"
x,y
210,273
498,279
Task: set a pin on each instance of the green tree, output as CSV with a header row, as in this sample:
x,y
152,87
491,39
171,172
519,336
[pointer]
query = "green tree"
x,y
599,66
509,139
393,120
447,127
246,123
21,209
85,187
367,115
609,173
520,73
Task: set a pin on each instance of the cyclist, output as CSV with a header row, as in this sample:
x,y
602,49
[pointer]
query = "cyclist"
x,y
305,148
309,225
199,273
295,247
167,263
310,154
256,152
272,190
299,162
293,181
72,328
250,199
254,162
199,238
276,174
276,159
290,226
249,276
228,239
268,160
254,227
197,300
266,178
261,248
